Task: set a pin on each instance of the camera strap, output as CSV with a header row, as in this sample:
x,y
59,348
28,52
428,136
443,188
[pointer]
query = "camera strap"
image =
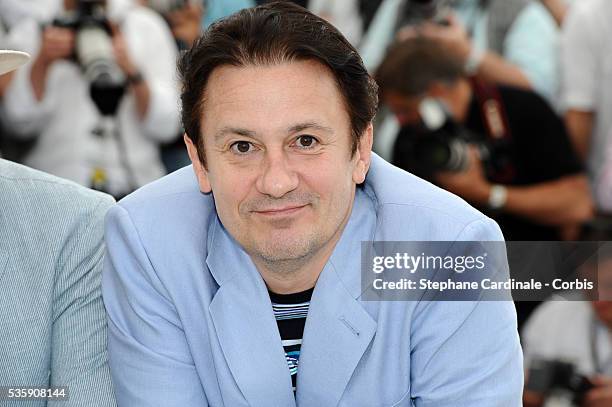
x,y
495,121
492,108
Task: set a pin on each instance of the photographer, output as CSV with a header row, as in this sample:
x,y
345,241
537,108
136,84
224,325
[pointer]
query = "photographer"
x,y
532,184
100,94
574,361
502,149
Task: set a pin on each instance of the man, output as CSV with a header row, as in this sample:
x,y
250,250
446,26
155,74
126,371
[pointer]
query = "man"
x,y
236,282
52,322
531,183
541,194
585,99
586,342
100,136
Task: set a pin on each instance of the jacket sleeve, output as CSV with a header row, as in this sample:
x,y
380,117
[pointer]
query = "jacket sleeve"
x,y
467,353
79,358
149,357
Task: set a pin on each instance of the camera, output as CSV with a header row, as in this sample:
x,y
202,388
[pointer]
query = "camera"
x,y
438,143
164,7
558,380
415,12
94,53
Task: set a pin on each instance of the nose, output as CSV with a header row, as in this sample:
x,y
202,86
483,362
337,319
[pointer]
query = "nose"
x,y
277,178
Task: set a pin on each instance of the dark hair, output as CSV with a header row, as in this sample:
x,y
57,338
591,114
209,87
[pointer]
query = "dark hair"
x,y
412,65
271,34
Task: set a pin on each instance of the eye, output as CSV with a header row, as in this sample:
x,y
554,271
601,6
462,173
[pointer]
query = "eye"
x,y
306,141
241,147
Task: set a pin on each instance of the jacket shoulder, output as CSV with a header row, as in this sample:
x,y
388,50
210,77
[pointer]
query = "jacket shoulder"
x,y
411,208
39,195
170,206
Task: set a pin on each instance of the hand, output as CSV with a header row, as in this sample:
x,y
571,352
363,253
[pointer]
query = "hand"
x,y
453,37
601,395
470,184
57,43
121,54
186,23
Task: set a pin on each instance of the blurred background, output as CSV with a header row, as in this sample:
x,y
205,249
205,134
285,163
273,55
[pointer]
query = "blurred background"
x,y
506,103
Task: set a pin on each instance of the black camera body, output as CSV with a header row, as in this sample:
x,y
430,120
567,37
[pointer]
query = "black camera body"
x,y
548,376
164,7
424,151
87,13
94,53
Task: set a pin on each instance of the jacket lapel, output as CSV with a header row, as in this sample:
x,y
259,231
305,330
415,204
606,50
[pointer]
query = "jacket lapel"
x,y
337,333
338,329
245,324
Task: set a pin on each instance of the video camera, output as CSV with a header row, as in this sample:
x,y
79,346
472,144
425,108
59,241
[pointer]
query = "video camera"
x,y
94,53
439,143
558,380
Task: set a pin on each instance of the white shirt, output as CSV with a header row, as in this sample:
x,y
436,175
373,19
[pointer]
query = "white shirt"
x,y
66,117
587,84
14,11
563,330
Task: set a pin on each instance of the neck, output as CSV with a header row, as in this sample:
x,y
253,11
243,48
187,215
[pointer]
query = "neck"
x,y
292,276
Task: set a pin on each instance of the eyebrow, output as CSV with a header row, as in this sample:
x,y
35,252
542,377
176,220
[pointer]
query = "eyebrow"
x,y
296,128
309,125
219,135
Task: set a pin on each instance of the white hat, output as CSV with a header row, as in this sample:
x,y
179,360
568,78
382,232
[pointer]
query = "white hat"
x,y
10,60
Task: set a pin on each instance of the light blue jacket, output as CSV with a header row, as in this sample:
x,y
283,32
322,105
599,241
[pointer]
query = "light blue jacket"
x,y
191,325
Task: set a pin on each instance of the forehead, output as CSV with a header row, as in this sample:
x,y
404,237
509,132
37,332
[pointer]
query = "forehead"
x,y
271,97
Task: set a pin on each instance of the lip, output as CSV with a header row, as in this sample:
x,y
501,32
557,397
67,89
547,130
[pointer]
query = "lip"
x,y
288,210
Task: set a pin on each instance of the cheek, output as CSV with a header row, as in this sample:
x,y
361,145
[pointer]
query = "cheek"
x,y
332,183
230,189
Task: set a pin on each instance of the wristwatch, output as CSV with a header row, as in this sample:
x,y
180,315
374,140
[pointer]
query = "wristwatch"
x,y
497,197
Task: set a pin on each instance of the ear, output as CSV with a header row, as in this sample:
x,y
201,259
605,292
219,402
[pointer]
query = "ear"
x,y
200,172
363,155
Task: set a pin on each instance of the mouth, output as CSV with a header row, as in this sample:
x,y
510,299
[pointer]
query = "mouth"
x,y
284,211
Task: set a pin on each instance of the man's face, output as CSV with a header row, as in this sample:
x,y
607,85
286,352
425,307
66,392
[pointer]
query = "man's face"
x,y
405,109
456,97
278,158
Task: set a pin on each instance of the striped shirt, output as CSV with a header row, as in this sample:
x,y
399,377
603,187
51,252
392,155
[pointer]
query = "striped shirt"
x,y
290,311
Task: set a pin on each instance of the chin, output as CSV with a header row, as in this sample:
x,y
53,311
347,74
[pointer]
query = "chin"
x,y
285,248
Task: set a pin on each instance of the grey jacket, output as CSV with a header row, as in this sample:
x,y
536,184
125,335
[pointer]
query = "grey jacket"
x,y
52,321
